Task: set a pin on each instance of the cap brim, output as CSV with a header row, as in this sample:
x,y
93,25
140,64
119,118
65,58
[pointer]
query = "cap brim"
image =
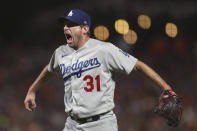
x,y
62,19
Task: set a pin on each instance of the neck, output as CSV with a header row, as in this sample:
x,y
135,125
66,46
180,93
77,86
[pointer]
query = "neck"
x,y
83,42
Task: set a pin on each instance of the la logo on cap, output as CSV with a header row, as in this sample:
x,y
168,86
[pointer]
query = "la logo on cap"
x,y
71,13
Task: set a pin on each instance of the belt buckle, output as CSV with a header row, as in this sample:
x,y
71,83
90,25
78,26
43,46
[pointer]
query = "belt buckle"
x,y
93,118
89,119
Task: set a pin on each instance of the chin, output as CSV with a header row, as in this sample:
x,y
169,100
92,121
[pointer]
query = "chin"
x,y
70,45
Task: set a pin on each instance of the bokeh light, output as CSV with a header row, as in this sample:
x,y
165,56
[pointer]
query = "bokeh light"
x,y
130,37
171,30
121,26
101,32
144,21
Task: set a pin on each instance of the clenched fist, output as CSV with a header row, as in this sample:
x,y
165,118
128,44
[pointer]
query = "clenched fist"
x,y
29,101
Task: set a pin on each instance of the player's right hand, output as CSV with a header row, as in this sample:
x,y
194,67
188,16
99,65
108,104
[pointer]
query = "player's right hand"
x,y
29,101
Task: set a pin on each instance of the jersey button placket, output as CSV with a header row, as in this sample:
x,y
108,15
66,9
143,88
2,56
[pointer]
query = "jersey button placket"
x,y
74,60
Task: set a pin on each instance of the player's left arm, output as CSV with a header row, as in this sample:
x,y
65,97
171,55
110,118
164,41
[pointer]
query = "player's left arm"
x,y
150,73
169,105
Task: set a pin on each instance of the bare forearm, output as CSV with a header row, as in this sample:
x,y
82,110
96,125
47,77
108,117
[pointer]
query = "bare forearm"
x,y
150,73
40,80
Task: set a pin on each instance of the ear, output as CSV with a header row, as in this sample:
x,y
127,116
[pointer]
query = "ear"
x,y
85,29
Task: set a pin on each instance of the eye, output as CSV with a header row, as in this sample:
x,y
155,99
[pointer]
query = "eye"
x,y
70,24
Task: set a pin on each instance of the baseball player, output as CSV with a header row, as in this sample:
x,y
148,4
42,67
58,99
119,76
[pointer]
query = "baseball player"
x,y
87,67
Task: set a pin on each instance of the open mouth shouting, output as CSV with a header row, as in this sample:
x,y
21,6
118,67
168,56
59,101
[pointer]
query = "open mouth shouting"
x,y
69,38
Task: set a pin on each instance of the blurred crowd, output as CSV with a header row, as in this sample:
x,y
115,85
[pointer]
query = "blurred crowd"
x,y
135,96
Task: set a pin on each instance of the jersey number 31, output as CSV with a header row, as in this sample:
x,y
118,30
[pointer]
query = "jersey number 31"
x,y
90,83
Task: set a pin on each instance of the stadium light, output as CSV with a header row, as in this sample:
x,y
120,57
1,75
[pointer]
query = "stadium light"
x,y
121,26
171,30
101,32
144,21
130,37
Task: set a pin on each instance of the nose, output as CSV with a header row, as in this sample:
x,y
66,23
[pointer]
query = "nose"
x,y
66,27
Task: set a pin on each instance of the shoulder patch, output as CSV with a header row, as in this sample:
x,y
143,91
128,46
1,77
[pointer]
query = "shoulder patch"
x,y
124,53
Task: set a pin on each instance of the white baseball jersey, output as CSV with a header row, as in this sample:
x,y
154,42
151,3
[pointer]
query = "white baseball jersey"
x,y
87,74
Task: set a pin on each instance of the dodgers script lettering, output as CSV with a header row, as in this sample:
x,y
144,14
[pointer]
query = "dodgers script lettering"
x,y
78,68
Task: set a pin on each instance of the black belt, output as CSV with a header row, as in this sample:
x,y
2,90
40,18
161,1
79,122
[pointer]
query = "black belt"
x,y
87,119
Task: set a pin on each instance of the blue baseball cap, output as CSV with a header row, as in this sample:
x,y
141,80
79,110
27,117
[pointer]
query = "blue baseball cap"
x,y
77,16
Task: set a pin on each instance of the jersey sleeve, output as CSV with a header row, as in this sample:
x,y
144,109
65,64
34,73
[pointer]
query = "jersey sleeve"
x,y
118,60
53,65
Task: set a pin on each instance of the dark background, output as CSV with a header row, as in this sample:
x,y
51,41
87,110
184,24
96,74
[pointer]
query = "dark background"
x,y
29,33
